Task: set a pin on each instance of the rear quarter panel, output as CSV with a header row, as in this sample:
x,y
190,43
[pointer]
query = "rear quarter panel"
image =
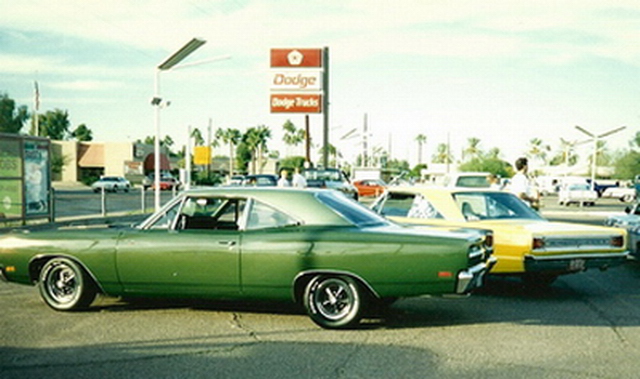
x,y
393,264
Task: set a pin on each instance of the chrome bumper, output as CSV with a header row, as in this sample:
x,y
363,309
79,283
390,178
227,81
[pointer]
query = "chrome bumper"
x,y
472,277
573,262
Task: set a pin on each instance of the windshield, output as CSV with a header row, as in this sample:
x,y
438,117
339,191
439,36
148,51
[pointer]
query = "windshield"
x,y
351,210
493,206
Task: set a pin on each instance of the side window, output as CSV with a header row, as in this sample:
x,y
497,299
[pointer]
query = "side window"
x,y
211,213
397,204
166,219
473,206
422,208
264,216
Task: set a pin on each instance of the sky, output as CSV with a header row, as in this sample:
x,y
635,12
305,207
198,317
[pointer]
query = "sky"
x,y
504,71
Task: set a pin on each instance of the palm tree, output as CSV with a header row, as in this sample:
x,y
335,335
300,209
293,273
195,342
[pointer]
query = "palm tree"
x,y
196,134
602,154
538,150
293,136
421,139
494,153
472,151
442,154
569,157
256,140
230,137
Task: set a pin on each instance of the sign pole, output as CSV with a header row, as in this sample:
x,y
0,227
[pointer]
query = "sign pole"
x,y
325,107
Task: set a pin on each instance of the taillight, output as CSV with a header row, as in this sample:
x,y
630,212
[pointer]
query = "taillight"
x,y
538,243
488,240
617,241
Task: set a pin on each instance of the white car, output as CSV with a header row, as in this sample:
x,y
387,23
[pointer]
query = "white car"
x,y
630,221
111,183
626,194
579,193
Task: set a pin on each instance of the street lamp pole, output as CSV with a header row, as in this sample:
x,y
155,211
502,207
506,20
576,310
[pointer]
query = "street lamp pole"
x,y
166,65
596,138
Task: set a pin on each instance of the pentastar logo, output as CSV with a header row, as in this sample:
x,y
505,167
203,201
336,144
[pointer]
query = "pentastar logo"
x,y
295,58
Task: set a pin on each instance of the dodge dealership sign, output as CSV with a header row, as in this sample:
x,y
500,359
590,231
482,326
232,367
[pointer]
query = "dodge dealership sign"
x,y
296,58
293,103
296,81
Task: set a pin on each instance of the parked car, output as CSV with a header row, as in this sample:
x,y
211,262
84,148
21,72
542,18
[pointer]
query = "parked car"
x,y
315,247
631,222
370,187
260,180
235,180
579,193
167,183
526,245
626,194
331,178
467,179
111,184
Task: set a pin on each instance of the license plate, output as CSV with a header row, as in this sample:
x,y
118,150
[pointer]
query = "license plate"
x,y
577,265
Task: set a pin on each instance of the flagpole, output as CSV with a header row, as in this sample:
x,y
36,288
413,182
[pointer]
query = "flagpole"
x,y
37,108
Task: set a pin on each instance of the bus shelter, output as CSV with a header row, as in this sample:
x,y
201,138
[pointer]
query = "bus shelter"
x,y
25,178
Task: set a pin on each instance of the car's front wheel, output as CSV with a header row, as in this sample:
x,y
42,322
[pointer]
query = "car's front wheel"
x,y
334,302
65,286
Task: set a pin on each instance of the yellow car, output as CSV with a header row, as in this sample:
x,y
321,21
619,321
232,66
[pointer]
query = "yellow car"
x,y
525,244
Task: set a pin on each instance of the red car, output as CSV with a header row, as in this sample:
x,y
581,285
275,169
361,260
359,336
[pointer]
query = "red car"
x,y
370,187
167,184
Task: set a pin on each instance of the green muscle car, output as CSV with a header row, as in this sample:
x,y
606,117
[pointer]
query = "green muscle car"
x,y
315,247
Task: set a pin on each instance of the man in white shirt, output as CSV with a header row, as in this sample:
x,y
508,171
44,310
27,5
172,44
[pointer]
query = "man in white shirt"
x,y
520,184
298,180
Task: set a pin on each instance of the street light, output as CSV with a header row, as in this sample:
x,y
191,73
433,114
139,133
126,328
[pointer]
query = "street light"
x,y
166,65
595,148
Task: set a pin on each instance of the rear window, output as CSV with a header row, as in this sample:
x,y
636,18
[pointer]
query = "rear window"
x,y
351,210
473,181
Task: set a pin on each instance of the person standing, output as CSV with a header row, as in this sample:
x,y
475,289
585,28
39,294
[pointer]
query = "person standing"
x,y
284,181
298,180
520,184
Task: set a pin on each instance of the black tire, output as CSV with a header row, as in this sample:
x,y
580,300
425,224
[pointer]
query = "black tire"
x,y
65,286
334,302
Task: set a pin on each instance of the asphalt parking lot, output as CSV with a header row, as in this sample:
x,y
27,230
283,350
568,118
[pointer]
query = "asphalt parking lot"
x,y
585,325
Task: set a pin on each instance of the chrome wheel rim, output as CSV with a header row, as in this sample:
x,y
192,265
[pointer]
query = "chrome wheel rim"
x,y
62,284
334,299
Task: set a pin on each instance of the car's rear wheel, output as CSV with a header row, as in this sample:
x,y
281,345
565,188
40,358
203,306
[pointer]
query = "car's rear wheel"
x,y
65,286
334,302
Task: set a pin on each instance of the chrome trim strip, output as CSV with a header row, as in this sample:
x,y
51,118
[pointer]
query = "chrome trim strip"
x,y
578,256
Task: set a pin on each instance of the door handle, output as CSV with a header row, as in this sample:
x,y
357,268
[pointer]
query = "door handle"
x,y
228,243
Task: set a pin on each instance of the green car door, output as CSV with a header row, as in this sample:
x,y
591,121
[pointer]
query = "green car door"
x,y
197,254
